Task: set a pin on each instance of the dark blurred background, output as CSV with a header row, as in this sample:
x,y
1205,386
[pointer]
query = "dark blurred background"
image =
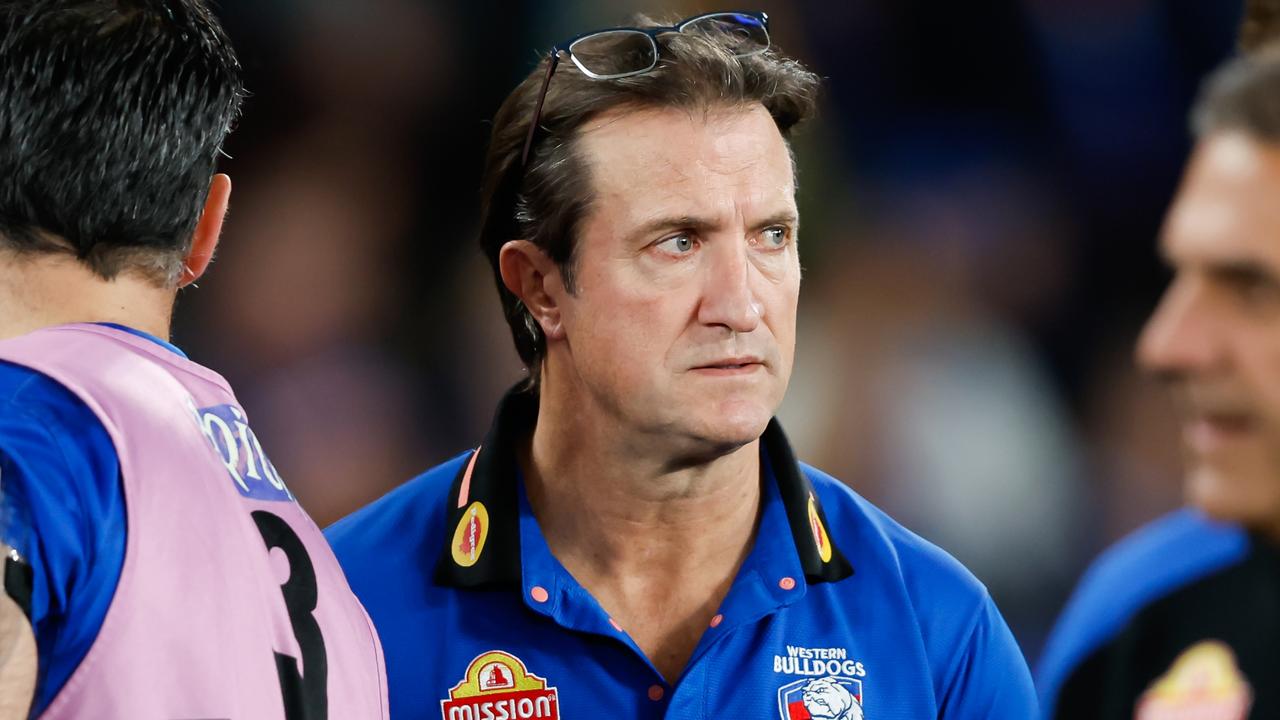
x,y
981,194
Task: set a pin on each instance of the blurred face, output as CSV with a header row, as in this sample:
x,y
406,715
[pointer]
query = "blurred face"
x,y
682,325
1215,336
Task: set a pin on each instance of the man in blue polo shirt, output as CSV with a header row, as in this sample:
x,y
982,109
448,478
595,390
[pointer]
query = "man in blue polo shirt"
x,y
1181,619
635,538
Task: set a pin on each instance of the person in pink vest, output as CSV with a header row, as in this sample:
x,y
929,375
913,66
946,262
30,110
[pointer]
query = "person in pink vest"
x,y
157,565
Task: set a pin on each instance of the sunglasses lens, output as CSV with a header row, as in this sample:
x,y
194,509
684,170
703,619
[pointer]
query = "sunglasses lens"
x,y
614,53
741,34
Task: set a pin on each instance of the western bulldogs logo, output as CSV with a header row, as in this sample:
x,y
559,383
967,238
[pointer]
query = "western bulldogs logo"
x,y
825,698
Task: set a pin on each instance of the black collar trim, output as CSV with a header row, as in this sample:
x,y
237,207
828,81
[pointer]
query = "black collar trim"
x,y
490,478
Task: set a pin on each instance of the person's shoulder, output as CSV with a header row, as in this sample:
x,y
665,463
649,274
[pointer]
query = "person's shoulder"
x,y
936,603
402,518
1169,553
23,388
871,539
43,422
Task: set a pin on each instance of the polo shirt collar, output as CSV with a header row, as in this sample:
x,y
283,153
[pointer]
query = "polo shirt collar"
x,y
481,548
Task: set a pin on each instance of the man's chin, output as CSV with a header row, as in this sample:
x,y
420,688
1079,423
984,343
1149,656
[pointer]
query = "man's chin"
x,y
725,438
716,425
740,422
1225,496
716,437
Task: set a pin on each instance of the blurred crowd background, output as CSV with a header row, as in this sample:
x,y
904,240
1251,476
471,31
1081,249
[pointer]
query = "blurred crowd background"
x,y
982,195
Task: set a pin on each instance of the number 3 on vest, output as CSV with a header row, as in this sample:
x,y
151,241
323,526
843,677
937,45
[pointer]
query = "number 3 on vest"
x,y
305,698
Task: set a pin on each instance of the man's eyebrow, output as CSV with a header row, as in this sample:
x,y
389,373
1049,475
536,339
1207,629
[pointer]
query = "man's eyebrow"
x,y
671,222
692,222
785,217
1242,270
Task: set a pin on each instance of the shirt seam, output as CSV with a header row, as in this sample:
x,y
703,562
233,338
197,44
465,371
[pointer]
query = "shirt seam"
x,y
943,701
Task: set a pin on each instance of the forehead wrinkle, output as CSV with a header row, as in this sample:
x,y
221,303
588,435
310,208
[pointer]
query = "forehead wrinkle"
x,y
719,151
702,177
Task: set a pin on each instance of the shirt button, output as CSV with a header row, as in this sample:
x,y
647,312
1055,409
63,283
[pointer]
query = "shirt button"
x,y
715,621
538,593
656,692
787,583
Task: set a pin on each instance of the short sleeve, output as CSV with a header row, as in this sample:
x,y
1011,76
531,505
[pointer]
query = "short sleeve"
x,y
62,510
990,679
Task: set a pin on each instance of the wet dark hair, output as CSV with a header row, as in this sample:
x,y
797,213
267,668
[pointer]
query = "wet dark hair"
x,y
112,113
545,200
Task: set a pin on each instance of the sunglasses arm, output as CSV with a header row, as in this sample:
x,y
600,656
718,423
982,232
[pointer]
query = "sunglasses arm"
x,y
552,61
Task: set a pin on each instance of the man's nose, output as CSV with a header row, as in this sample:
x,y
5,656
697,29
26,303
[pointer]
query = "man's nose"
x,y
1181,336
729,298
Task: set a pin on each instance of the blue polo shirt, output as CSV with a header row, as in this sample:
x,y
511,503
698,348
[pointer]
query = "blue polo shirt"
x,y
837,612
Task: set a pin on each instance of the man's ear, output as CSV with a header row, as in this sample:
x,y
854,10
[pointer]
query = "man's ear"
x,y
533,277
205,239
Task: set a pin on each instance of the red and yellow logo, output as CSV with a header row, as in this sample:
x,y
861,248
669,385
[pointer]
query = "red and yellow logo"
x,y
499,687
820,537
469,537
1204,683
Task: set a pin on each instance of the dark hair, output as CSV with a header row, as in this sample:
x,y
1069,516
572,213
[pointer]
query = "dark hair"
x,y
1261,24
544,201
112,113
1243,95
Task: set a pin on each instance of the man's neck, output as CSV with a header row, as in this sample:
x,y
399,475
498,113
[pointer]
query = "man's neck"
x,y
657,543
592,485
43,290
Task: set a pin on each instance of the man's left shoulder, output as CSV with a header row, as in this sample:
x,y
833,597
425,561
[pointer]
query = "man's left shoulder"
x,y
876,543
932,603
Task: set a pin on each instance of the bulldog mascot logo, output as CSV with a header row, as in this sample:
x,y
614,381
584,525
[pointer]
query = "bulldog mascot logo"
x,y
825,698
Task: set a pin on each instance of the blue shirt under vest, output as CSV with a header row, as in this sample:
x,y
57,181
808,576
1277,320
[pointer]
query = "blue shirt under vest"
x,y
62,509
837,613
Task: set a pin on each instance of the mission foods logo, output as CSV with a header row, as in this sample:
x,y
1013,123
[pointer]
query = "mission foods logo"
x,y
498,686
1204,684
469,536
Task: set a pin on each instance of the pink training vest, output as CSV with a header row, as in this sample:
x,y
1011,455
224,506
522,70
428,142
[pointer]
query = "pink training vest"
x,y
230,603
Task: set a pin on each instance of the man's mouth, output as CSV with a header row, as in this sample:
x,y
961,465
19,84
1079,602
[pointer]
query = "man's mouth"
x,y
1208,432
731,366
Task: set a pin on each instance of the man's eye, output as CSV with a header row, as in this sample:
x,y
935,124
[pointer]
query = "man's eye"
x,y
775,236
1251,285
676,244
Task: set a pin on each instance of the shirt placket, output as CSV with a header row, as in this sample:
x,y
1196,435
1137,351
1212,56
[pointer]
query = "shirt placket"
x,y
770,579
